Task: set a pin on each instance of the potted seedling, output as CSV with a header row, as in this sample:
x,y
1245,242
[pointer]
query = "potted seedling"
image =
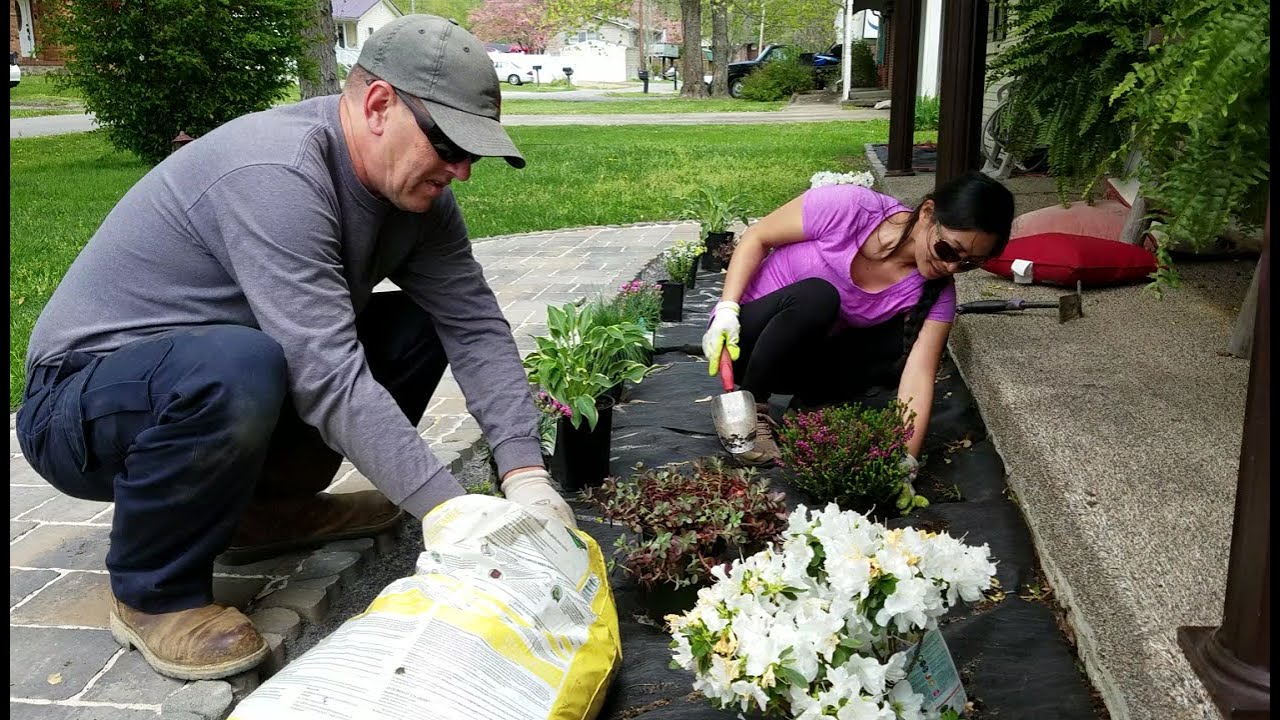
x,y
577,363
681,262
715,213
685,521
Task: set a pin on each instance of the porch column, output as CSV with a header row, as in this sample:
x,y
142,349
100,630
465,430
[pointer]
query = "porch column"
x,y
964,67
1233,660
903,83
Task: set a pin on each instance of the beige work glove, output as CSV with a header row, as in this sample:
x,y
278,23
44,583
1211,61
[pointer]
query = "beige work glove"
x,y
531,489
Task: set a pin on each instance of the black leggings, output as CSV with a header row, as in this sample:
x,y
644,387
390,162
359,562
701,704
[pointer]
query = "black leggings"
x,y
788,347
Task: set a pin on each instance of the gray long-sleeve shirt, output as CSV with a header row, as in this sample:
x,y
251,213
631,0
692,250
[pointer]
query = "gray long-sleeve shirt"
x,y
263,223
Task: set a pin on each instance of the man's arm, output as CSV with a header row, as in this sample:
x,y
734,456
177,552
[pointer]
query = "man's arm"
x,y
276,233
443,276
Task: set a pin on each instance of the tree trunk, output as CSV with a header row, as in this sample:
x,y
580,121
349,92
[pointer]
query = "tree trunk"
x,y
720,48
691,51
319,69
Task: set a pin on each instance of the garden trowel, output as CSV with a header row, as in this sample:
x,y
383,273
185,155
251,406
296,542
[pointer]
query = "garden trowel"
x,y
1069,307
734,412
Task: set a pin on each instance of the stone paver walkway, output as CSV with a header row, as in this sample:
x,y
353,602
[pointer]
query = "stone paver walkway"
x,y
62,660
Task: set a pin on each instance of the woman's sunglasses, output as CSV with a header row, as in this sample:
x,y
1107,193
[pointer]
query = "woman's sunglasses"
x,y
445,148
947,253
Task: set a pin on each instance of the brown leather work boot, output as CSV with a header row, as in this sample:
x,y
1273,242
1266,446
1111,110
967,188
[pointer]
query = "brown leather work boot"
x,y
277,526
765,450
204,643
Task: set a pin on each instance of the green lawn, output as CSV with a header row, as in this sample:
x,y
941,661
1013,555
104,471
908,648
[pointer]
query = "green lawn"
x,y
37,95
657,105
44,112
62,187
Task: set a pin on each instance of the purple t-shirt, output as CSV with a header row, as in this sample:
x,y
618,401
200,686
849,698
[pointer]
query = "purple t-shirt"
x,y
838,219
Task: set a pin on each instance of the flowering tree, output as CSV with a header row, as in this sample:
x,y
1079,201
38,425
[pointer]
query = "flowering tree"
x,y
523,21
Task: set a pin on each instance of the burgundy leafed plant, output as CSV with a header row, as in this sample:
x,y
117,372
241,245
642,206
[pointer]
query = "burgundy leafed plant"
x,y
684,524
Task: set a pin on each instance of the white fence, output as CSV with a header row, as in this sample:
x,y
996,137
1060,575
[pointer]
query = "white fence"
x,y
591,62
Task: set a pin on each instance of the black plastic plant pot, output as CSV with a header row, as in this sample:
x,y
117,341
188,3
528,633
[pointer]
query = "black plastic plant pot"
x,y
672,301
615,392
662,600
710,257
586,450
692,280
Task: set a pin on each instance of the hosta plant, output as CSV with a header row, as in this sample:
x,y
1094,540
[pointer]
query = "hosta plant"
x,y
818,624
578,360
683,524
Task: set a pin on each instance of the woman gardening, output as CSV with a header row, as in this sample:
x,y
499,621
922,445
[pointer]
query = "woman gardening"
x,y
843,288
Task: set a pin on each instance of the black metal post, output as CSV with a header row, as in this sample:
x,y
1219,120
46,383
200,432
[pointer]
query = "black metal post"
x,y
964,67
1234,659
905,80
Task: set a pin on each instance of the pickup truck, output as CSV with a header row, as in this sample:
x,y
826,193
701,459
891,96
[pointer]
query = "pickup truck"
x,y
740,70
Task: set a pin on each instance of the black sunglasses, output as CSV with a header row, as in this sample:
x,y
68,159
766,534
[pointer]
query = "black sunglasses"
x,y
947,253
445,148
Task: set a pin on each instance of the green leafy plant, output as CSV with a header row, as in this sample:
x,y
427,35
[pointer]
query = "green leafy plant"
x,y
1068,59
639,302
777,80
149,70
680,258
608,312
715,213
684,524
927,109
579,360
849,454
863,62
1199,104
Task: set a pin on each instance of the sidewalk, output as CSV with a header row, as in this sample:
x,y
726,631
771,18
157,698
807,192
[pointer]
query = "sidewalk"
x,y
1121,435
62,661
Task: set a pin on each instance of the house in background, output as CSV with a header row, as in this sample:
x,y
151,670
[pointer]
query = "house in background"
x,y
613,33
26,34
356,20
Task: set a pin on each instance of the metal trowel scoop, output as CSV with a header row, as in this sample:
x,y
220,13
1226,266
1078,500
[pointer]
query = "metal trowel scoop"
x,y
733,413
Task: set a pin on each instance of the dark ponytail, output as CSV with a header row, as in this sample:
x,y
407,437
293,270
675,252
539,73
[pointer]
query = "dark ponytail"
x,y
972,201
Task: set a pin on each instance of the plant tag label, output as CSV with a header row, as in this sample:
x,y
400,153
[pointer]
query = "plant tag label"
x,y
934,675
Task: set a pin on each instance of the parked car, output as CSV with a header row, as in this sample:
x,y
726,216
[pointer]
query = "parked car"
x,y
512,73
738,71
15,72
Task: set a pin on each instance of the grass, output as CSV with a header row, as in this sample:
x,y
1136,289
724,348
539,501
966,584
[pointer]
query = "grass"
x,y
41,90
658,105
45,112
61,188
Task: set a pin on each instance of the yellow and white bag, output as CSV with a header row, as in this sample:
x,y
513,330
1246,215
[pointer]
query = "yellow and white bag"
x,y
507,617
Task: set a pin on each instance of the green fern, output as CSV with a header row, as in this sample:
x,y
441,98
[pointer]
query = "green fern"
x,y
1066,58
1199,106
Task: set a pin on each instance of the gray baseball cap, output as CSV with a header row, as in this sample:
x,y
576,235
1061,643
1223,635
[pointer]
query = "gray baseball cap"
x,y
446,67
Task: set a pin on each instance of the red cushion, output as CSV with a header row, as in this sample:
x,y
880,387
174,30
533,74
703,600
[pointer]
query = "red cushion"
x,y
1063,259
1103,219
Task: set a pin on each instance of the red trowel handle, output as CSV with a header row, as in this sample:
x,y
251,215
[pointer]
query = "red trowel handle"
x,y
726,370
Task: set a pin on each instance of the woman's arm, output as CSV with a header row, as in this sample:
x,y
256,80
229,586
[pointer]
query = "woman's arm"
x,y
915,389
780,227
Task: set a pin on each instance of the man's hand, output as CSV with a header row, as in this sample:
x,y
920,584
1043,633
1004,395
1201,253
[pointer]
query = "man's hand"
x,y
723,333
531,489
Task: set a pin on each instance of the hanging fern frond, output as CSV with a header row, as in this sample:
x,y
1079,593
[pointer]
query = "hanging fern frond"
x,y
1065,60
1199,105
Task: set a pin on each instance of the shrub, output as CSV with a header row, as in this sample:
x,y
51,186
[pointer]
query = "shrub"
x,y
149,70
864,71
927,113
777,80
848,454
683,525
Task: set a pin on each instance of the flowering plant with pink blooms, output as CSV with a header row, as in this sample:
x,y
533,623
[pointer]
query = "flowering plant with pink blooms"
x,y
849,454
550,411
